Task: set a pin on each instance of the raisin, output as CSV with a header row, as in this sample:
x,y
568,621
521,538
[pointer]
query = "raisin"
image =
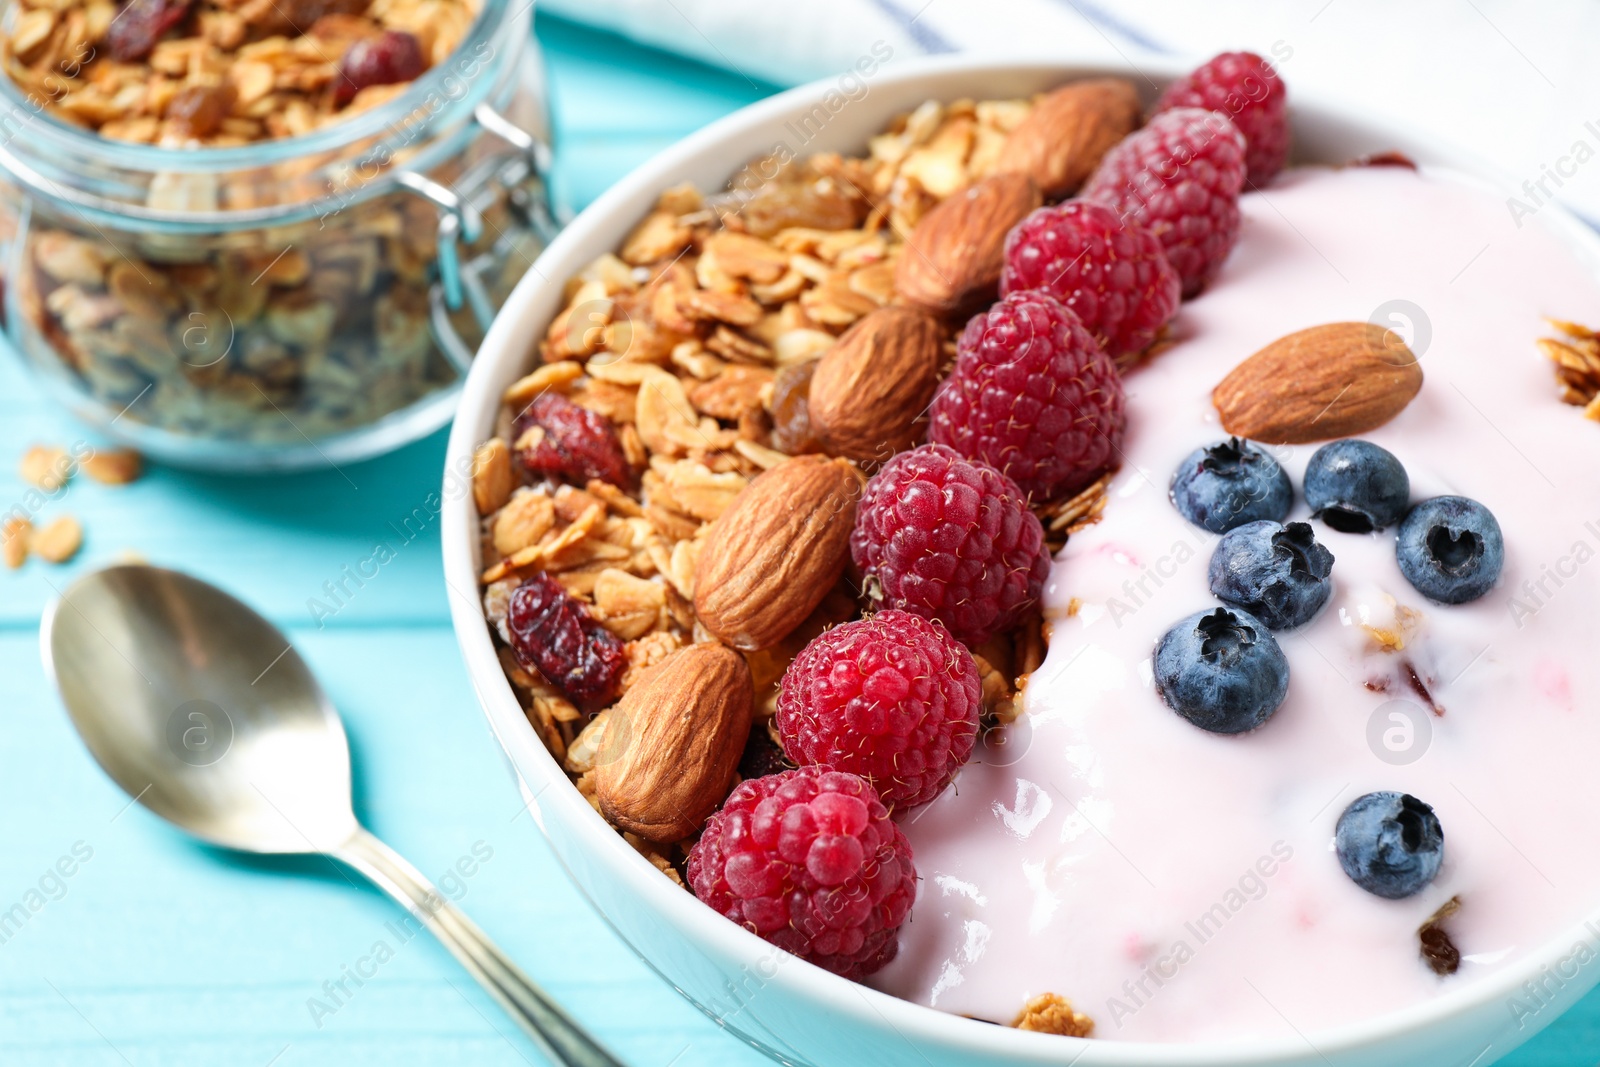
x,y
1439,952
762,756
298,17
392,57
554,634
199,110
140,24
791,411
817,204
576,443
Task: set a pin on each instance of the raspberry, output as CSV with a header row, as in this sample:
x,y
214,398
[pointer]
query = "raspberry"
x,y
1246,88
891,697
1033,396
1110,272
809,860
392,57
575,442
950,539
1179,178
554,634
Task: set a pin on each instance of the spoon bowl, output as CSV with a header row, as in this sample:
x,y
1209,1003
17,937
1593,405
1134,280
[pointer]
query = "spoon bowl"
x,y
200,708
202,711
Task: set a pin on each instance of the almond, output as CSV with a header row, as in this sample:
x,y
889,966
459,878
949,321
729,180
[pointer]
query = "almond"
x,y
773,555
1330,381
671,746
870,390
1061,141
952,260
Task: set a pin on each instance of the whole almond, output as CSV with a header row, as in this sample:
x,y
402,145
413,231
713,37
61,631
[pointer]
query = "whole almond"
x,y
952,260
1061,141
672,744
1330,381
871,389
776,552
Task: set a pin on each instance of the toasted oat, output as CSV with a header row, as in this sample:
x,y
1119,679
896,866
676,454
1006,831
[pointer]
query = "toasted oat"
x,y
629,607
46,466
1577,365
999,699
557,376
14,538
585,748
113,466
660,236
57,542
491,476
523,521
1066,517
652,852
1049,1013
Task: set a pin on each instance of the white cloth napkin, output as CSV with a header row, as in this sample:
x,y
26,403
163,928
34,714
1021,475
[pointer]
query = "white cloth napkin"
x,y
1513,81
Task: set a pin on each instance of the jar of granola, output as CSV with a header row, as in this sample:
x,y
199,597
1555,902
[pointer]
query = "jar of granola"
x,y
265,233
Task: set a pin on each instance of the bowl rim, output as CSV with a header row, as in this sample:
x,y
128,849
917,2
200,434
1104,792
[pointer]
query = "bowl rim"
x,y
537,769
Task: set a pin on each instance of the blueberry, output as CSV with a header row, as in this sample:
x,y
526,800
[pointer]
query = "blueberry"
x,y
1356,487
1222,670
1390,844
1450,548
1277,573
1229,484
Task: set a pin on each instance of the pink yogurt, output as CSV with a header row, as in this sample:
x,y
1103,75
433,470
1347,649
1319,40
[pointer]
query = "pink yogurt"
x,y
1178,885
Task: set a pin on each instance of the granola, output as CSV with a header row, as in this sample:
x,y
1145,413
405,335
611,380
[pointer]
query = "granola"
x,y
1048,1013
219,73
57,541
695,341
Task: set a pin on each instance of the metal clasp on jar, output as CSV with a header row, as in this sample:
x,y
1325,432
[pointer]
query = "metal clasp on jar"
x,y
522,178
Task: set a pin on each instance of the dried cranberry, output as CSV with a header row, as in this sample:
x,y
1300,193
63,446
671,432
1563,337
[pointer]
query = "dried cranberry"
x,y
576,443
140,24
199,110
391,57
554,634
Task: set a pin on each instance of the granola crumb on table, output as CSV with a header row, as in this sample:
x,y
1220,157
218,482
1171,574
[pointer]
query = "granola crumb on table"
x,y
49,468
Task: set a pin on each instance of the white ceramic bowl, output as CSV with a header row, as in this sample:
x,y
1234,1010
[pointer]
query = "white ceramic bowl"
x,y
795,1012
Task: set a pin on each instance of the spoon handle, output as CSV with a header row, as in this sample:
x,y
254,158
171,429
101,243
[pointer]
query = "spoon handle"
x,y
555,1031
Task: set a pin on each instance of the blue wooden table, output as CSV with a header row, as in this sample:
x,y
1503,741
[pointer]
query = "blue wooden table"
x,y
158,951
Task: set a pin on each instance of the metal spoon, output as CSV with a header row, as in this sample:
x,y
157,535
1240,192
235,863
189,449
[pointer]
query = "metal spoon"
x,y
201,711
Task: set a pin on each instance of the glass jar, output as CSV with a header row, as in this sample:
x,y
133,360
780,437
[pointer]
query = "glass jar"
x,y
286,303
